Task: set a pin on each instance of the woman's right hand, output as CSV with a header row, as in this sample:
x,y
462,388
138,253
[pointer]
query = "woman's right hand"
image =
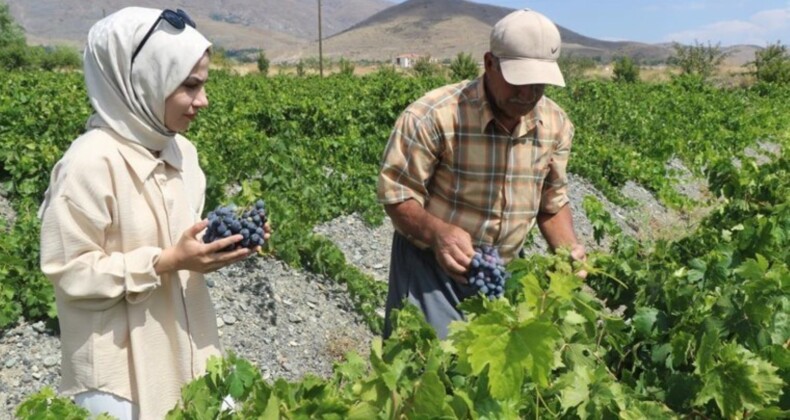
x,y
190,253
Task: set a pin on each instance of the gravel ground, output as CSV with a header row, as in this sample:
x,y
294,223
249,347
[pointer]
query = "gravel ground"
x,y
290,322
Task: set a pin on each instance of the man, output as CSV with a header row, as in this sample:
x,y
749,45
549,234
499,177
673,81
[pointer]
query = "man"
x,y
475,163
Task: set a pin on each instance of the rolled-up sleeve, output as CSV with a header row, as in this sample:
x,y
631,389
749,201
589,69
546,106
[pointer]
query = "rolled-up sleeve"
x,y
409,160
73,257
555,186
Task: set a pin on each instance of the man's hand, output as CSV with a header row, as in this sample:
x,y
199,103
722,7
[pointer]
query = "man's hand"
x,y
578,253
453,249
451,245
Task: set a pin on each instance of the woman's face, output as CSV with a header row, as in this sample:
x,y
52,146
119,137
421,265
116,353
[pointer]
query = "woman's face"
x,y
182,106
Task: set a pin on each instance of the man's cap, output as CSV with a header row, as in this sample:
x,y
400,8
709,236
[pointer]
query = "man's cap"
x,y
528,46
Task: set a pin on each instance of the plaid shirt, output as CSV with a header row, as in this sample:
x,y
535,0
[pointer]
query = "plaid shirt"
x,y
448,153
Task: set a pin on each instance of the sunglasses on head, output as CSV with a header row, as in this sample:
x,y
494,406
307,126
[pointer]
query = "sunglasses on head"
x,y
178,19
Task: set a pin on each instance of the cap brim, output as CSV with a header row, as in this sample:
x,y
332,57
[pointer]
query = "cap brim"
x,y
531,72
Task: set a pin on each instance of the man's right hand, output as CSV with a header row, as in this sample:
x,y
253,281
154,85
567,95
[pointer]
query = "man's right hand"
x,y
453,249
451,245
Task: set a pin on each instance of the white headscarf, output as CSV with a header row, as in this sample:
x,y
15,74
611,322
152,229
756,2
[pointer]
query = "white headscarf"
x,y
128,98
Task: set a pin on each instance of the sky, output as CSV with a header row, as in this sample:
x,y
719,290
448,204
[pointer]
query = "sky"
x,y
724,22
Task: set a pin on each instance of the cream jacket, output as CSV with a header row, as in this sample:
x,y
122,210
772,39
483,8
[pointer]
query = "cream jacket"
x,y
110,210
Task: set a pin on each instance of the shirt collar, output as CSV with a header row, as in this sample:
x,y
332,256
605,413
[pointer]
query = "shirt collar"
x,y
143,162
528,122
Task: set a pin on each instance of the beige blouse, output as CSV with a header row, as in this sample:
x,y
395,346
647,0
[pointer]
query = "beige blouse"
x,y
111,209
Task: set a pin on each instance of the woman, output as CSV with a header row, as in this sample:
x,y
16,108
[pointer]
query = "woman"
x,y
121,219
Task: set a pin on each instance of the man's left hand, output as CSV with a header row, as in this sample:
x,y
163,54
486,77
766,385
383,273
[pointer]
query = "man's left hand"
x,y
578,253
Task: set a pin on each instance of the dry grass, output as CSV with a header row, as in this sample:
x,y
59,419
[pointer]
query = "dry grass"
x,y
290,69
726,76
729,76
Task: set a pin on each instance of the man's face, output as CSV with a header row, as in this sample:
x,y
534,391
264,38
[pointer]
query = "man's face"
x,y
513,101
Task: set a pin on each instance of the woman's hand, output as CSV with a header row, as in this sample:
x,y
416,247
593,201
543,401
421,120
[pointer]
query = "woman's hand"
x,y
267,231
190,253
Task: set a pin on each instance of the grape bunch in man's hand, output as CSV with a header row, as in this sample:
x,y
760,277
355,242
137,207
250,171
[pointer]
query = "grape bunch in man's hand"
x,y
487,272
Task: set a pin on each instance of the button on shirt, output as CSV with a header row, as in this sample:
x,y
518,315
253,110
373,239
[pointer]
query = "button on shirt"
x,y
448,152
110,210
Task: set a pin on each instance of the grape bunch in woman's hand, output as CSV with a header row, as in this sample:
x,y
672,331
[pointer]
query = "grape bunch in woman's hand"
x,y
226,221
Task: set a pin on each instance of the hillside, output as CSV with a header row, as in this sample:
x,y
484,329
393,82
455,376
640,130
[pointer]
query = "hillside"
x,y
261,23
373,30
443,28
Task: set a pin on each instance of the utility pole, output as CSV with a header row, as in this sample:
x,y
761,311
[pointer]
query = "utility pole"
x,y
320,44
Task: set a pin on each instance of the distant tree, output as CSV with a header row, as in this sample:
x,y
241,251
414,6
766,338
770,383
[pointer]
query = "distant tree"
x,y
300,70
13,49
463,67
345,67
573,68
16,54
425,67
263,63
625,70
772,64
698,59
11,34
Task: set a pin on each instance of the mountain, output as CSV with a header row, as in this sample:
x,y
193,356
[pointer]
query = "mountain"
x,y
233,24
443,28
374,30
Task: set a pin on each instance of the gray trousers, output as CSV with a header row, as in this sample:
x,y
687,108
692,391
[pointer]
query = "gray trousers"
x,y
416,278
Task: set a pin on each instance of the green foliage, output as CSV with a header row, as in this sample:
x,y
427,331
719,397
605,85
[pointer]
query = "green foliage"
x,y
600,219
463,67
38,57
16,54
46,405
698,59
345,67
735,378
386,71
60,57
629,131
772,64
23,288
707,306
625,70
263,63
699,309
425,67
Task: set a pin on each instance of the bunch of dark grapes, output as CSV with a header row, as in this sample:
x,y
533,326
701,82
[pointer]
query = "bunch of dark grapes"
x,y
487,272
226,221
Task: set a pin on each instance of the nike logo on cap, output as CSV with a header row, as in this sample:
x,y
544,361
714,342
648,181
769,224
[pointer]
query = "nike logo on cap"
x,y
554,50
